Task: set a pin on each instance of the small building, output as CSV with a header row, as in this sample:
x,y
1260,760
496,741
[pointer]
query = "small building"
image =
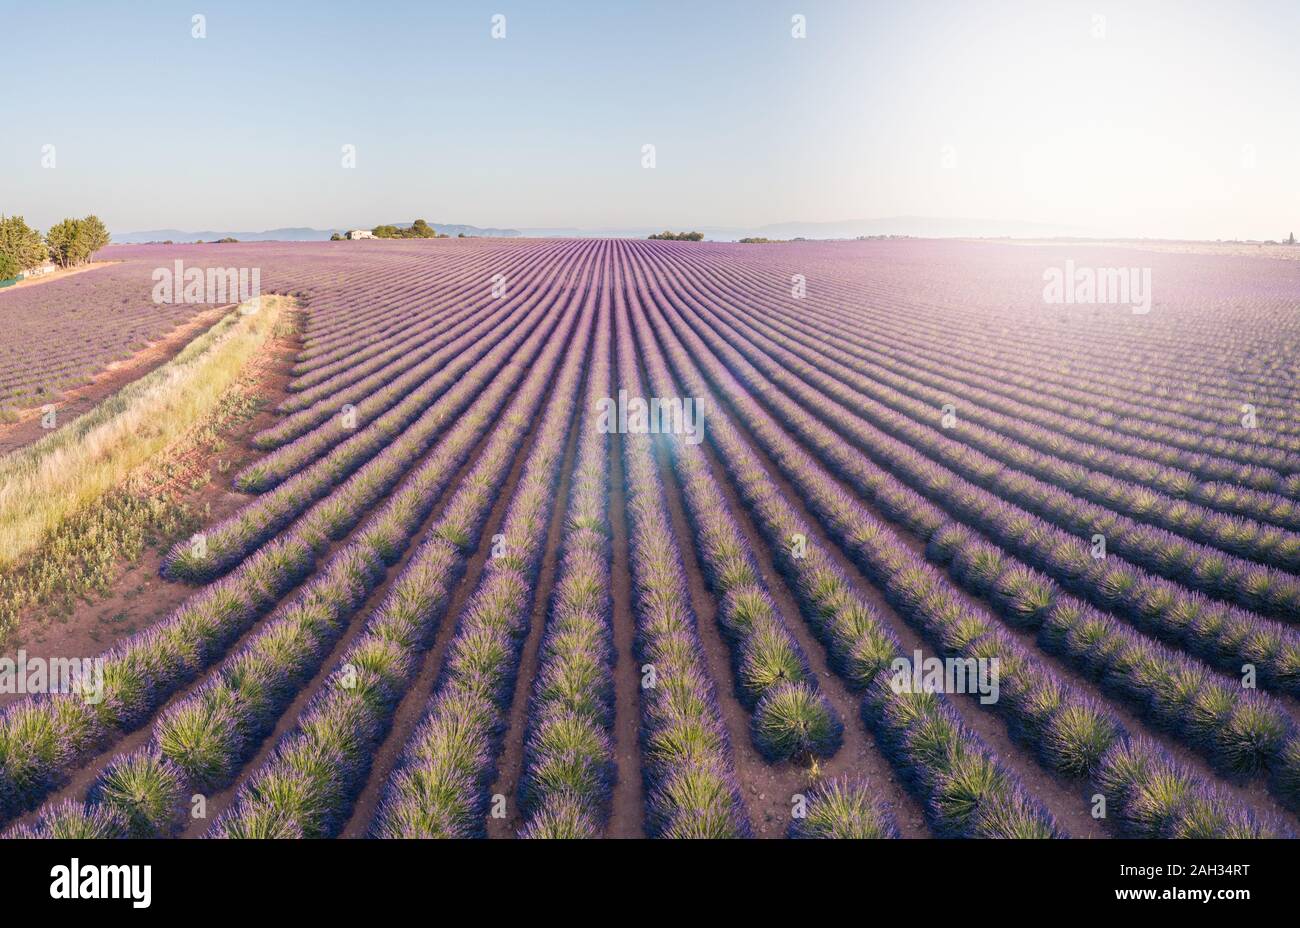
x,y
360,233
28,274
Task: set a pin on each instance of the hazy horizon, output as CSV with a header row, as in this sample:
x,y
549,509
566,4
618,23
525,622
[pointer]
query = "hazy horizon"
x,y
1162,119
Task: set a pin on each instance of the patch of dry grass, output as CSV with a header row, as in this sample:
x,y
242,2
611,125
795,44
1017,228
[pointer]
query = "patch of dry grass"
x,y
42,485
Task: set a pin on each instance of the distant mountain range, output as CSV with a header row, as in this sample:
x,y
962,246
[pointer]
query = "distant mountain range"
x,y
921,227
916,226
296,234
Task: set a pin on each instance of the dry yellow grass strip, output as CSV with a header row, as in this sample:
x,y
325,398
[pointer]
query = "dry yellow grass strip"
x,y
44,483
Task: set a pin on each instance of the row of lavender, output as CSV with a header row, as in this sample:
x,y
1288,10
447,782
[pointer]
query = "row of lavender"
x,y
1217,326
1242,732
862,650
1072,734
432,375
42,739
1188,565
292,793
359,469
59,333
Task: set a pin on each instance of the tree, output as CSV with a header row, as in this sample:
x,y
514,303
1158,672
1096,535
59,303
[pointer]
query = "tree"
x,y
1291,240
21,243
73,241
336,237
64,246
94,234
8,267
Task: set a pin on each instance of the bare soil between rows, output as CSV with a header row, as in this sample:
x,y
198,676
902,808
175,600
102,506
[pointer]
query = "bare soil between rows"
x,y
72,403
414,704
1042,784
139,596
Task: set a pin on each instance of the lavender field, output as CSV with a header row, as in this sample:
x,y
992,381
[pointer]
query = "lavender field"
x,y
613,537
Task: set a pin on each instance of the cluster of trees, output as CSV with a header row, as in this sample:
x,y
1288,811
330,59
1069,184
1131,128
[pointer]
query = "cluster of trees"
x,y
68,243
21,247
418,229
73,241
678,236
757,240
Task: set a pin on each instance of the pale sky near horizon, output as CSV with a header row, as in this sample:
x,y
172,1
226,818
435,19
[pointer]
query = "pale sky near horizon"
x,y
1168,118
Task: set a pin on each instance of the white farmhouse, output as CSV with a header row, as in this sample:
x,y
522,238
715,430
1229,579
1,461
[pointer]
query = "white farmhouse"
x,y
360,233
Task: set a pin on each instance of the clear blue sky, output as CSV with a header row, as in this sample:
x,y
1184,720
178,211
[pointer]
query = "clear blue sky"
x,y
1182,118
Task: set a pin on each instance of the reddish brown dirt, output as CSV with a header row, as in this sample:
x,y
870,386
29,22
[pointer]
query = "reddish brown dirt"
x,y
1252,794
221,801
74,402
1065,801
414,703
84,776
511,762
627,804
859,756
767,789
140,596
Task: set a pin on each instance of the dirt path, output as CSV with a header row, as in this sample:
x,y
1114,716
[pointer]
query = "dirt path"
x,y
510,762
859,757
414,703
221,801
627,805
124,742
139,596
767,789
72,403
1253,794
1065,801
